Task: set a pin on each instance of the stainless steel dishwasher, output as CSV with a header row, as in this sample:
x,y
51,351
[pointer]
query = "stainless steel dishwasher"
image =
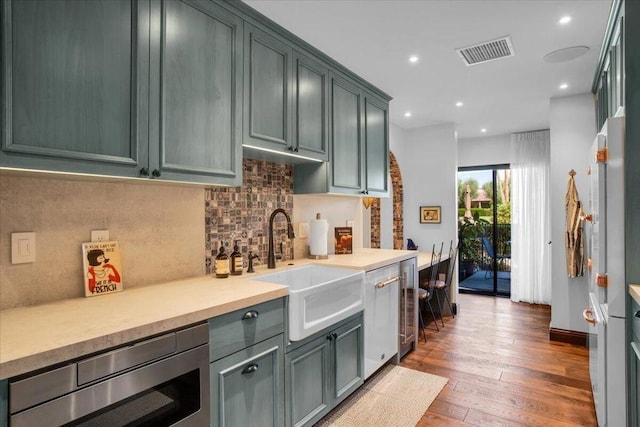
x,y
162,381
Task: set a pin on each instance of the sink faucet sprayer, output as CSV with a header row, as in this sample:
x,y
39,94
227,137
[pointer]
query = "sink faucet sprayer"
x,y
271,257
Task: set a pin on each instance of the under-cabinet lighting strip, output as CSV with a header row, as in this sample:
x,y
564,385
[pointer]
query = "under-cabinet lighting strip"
x,y
298,156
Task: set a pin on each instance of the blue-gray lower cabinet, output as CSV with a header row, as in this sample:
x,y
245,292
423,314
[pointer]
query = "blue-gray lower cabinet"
x,y
634,379
246,387
634,363
322,371
246,349
4,403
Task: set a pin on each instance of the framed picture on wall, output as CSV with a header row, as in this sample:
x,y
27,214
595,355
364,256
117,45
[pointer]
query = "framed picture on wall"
x,y
429,214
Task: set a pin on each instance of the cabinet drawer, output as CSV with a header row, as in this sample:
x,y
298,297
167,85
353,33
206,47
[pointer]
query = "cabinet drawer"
x,y
239,329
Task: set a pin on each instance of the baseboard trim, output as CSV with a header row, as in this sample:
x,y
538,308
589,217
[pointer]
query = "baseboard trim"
x,y
569,337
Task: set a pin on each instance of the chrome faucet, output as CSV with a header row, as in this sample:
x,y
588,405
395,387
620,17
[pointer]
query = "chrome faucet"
x,y
271,257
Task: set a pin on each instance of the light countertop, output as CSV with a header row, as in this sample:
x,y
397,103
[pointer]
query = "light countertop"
x,y
38,336
634,291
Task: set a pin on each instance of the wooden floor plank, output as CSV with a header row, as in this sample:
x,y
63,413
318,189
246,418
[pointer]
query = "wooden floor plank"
x,y
502,368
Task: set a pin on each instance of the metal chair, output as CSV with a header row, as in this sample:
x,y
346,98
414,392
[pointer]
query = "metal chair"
x,y
425,294
444,285
492,254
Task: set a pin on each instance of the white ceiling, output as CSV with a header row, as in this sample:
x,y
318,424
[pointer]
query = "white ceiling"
x,y
375,38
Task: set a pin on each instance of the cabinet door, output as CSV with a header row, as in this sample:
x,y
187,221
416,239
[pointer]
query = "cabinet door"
x,y
246,387
311,91
376,136
306,374
348,360
268,96
634,381
196,126
75,85
4,402
346,144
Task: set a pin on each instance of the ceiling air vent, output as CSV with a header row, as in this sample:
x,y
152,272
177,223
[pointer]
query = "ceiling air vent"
x,y
487,51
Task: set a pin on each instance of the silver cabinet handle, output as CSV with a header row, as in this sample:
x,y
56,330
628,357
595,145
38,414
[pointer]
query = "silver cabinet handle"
x,y
250,315
389,281
250,369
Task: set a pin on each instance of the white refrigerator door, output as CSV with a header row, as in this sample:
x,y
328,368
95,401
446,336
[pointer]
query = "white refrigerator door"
x,y
597,230
617,289
616,372
607,210
597,359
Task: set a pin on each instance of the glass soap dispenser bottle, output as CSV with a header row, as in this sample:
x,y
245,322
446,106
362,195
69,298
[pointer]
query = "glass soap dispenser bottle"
x,y
222,263
236,260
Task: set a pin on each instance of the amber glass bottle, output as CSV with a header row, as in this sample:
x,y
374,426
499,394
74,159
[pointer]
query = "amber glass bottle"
x,y
236,260
222,263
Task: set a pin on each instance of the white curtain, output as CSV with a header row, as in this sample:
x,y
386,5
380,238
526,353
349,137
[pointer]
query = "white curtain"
x,y
530,211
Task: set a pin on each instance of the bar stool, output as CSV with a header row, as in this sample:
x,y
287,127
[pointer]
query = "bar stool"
x,y
425,294
444,285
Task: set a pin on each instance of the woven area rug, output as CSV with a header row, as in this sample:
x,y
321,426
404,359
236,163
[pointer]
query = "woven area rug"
x,y
394,397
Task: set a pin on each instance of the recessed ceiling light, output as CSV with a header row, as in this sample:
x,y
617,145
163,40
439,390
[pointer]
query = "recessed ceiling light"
x,y
563,86
413,59
565,20
407,114
459,104
483,130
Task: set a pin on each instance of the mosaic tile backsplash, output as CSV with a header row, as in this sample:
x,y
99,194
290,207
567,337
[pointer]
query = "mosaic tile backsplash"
x,y
242,213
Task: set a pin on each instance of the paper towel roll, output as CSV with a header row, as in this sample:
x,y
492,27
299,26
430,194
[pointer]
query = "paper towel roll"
x,y
318,229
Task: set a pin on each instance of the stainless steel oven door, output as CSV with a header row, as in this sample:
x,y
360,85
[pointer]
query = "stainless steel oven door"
x,y
170,392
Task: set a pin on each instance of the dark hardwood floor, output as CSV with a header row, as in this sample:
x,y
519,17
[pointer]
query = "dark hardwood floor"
x,y
502,368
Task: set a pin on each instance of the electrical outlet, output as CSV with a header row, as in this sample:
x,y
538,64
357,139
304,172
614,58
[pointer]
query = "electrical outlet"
x,y
100,235
303,230
349,223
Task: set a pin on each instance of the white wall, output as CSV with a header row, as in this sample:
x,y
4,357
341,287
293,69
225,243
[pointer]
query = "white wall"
x,y
335,209
160,228
483,151
427,158
572,126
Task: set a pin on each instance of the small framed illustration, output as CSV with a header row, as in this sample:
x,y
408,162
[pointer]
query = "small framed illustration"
x,y
102,266
344,240
429,214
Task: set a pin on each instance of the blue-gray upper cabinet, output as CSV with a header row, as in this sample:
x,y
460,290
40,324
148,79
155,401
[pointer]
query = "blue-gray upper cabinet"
x,y
311,92
118,87
347,154
75,86
196,93
376,142
359,145
285,99
268,97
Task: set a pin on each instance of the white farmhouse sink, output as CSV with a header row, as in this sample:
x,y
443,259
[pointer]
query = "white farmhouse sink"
x,y
319,296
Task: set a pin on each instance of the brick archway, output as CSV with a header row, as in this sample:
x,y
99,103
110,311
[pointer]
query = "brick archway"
x,y
396,181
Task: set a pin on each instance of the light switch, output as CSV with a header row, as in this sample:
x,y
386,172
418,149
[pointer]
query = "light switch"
x,y
23,248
